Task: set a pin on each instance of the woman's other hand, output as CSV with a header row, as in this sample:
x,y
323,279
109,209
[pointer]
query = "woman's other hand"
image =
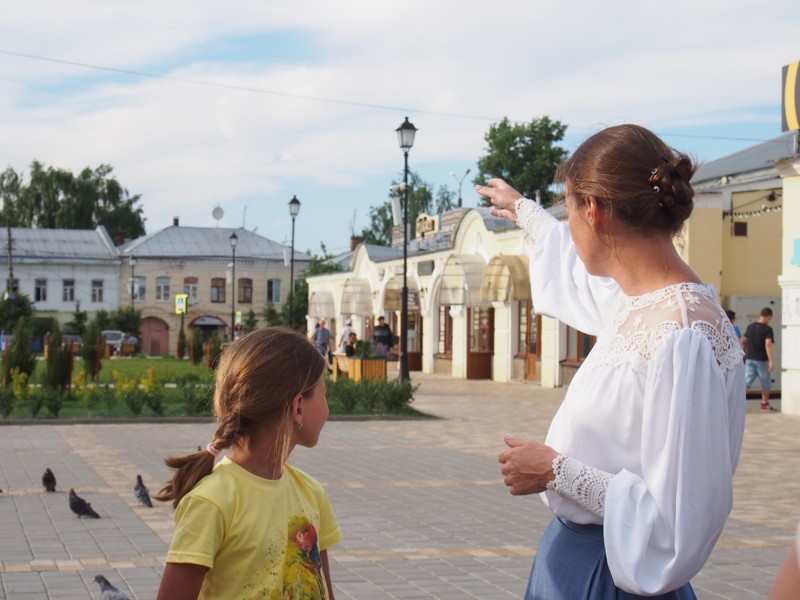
x,y
527,465
501,195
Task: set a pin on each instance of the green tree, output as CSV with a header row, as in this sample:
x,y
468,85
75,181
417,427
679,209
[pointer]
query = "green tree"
x,y
91,347
271,315
12,308
420,200
524,154
181,344
77,325
55,198
249,323
19,356
196,349
444,200
59,362
126,319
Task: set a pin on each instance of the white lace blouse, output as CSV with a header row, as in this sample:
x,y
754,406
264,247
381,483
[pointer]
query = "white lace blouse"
x,y
651,427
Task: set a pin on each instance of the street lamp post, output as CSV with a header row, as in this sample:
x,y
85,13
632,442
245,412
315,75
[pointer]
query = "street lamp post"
x,y
234,239
460,181
405,137
294,208
132,261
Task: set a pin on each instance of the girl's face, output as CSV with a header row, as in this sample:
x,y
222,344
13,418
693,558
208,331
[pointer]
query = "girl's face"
x,y
315,413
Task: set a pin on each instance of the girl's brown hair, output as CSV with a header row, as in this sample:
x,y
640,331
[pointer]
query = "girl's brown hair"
x,y
258,376
641,180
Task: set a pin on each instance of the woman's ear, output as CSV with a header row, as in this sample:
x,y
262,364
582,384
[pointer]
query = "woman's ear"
x,y
595,212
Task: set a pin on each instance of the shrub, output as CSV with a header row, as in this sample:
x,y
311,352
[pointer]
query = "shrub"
x,y
19,385
181,344
59,362
19,356
6,401
128,391
373,396
51,398
91,347
196,349
214,351
153,391
196,397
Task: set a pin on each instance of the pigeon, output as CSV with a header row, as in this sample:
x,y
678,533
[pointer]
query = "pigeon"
x,y
80,506
108,591
142,495
49,481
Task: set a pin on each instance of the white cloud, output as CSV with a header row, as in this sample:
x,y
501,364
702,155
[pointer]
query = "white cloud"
x,y
187,147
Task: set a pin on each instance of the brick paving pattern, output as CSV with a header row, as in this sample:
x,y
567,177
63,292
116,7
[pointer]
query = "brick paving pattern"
x,y
421,503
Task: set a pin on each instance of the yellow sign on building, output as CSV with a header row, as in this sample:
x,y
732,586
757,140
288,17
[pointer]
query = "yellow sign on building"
x,y
180,303
791,98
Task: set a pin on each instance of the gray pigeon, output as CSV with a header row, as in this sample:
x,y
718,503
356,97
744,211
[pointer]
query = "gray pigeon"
x,y
142,495
108,591
80,506
49,481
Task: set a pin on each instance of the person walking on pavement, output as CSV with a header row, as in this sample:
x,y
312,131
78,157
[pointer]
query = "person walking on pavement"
x,y
345,337
758,343
382,335
322,338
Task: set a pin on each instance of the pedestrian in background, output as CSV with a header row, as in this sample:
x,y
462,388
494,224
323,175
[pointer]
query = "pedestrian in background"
x,y
758,344
322,338
382,334
732,319
638,464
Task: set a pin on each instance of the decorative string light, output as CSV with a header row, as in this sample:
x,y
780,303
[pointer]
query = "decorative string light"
x,y
753,213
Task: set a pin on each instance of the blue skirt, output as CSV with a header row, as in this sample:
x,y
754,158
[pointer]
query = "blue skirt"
x,y
571,565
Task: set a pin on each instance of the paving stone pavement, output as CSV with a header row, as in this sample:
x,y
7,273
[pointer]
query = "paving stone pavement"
x,y
420,502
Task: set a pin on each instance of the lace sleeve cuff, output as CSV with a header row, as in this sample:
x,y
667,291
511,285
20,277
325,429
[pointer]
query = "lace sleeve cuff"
x,y
533,219
583,485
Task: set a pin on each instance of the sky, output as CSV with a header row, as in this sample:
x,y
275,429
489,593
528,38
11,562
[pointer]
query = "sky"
x,y
242,105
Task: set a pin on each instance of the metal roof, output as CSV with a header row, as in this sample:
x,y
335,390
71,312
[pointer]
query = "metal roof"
x,y
59,244
207,242
755,158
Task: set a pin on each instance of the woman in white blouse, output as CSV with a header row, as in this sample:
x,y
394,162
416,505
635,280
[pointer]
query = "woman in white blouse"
x,y
638,464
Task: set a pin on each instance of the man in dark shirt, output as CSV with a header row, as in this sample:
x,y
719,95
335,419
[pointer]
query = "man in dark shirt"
x,y
382,335
757,342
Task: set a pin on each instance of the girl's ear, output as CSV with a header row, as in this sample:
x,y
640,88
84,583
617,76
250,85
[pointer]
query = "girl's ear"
x,y
297,410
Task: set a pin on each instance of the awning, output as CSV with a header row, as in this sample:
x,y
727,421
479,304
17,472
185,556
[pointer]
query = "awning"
x,y
321,305
506,278
356,297
207,321
393,297
461,281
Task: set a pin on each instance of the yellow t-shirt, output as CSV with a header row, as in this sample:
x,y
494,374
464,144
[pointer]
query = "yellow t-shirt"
x,y
259,538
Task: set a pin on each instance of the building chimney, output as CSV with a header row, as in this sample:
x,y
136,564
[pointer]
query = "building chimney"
x,y
175,221
120,239
355,242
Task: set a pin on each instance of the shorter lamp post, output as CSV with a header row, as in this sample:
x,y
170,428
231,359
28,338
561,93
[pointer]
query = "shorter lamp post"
x,y
294,208
132,261
234,239
460,181
405,137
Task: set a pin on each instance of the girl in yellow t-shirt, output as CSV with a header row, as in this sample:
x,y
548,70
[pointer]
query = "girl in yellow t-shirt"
x,y
252,526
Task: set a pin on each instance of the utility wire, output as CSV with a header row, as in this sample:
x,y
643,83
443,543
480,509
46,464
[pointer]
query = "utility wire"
x,y
322,98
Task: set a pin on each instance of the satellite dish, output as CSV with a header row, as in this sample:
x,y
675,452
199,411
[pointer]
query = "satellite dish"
x,y
217,213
